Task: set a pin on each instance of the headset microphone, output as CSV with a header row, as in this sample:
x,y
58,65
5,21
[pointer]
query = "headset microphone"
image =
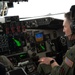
x,y
67,35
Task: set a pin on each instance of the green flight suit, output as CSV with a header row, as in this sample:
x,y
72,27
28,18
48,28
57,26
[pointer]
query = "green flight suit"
x,y
66,68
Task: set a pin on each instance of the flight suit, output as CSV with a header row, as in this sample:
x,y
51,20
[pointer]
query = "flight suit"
x,y
66,68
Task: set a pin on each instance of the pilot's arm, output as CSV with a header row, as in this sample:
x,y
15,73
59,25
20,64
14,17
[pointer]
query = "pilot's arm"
x,y
67,66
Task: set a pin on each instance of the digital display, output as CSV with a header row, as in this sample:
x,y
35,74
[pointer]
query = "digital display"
x,y
41,47
39,37
19,57
7,28
15,43
12,27
24,56
13,30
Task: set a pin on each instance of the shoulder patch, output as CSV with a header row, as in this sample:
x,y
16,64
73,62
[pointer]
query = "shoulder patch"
x,y
68,62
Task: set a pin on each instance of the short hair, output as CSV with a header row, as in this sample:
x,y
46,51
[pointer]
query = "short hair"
x,y
68,16
71,14
2,69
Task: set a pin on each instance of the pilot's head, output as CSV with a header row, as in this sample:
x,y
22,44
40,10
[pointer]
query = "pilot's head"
x,y
69,24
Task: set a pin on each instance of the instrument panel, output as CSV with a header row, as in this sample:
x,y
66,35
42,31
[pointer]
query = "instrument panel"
x,y
24,42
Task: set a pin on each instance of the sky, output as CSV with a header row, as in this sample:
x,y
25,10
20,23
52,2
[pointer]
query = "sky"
x,y
34,8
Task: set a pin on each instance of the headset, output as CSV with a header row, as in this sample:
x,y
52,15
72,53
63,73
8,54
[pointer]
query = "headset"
x,y
72,12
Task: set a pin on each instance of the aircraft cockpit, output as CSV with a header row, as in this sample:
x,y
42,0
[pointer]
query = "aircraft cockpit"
x,y
24,40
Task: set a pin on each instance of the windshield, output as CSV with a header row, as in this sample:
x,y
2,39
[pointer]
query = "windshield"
x,y
35,8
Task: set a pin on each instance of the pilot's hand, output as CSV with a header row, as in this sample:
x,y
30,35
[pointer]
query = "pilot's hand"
x,y
45,60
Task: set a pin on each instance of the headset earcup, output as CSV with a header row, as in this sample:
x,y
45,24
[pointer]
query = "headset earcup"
x,y
73,27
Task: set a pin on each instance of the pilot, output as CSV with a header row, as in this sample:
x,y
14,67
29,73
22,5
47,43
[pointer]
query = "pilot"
x,y
48,65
